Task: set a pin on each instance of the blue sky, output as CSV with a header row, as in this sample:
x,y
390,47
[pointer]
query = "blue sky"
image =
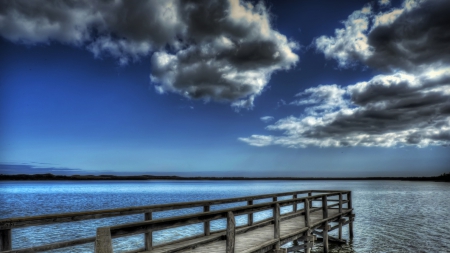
x,y
305,88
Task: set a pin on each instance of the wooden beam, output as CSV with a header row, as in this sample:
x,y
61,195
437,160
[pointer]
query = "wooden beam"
x,y
350,206
294,207
231,233
148,237
103,242
276,225
5,240
325,237
206,224
250,215
325,207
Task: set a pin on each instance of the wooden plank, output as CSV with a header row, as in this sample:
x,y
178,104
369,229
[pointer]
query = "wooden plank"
x,y
53,246
5,239
231,231
103,241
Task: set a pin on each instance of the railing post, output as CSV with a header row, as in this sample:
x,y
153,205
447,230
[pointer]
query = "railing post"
x,y
325,207
5,240
148,237
276,224
294,208
325,226
310,202
274,199
250,215
103,242
307,223
206,226
231,231
350,206
340,217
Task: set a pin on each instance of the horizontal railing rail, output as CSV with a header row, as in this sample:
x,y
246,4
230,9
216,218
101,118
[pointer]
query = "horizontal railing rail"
x,y
10,223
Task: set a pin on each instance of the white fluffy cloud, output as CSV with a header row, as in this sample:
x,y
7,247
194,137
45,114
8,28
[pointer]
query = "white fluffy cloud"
x,y
267,119
389,110
223,50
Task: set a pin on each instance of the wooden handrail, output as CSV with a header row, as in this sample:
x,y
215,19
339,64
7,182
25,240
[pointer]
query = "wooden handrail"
x,y
7,224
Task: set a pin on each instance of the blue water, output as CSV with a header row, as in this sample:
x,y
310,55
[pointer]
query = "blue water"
x,y
391,216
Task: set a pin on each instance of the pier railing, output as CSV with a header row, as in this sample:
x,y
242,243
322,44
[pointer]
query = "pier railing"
x,y
104,234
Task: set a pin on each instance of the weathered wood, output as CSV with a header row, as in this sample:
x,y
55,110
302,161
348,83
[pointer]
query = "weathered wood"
x,y
5,239
148,237
103,242
250,215
325,207
52,246
276,225
325,237
206,224
275,199
350,206
294,207
340,211
98,214
231,232
307,213
310,203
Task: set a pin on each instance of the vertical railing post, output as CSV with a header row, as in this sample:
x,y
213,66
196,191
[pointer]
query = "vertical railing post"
x,y
276,224
275,199
148,237
294,207
325,207
231,232
250,215
350,206
307,223
5,240
340,217
103,242
206,226
325,225
310,202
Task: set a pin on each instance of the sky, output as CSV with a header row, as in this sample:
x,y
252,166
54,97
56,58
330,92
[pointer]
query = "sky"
x,y
225,87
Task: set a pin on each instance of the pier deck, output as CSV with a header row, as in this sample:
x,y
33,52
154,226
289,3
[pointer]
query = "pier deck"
x,y
300,226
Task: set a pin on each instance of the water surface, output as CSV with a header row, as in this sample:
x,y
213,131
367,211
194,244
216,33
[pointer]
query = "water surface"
x,y
391,216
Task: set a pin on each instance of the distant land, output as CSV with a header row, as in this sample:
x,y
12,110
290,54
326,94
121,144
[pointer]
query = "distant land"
x,y
442,178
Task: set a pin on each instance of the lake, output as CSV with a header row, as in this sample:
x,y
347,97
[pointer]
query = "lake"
x,y
391,216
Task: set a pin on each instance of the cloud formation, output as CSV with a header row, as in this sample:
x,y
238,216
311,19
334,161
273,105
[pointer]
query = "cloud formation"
x,y
389,110
409,105
266,119
409,38
222,50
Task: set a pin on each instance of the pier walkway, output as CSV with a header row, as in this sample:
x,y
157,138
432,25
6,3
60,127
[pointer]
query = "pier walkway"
x,y
306,225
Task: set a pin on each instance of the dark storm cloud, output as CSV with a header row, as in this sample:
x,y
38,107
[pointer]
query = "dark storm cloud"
x,y
409,38
223,50
389,110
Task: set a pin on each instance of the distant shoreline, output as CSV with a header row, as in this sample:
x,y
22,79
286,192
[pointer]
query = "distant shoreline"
x,y
48,176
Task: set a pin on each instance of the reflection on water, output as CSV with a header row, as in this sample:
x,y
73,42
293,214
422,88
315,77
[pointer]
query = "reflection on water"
x,y
391,216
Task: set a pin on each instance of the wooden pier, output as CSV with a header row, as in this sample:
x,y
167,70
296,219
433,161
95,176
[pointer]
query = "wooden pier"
x,y
303,226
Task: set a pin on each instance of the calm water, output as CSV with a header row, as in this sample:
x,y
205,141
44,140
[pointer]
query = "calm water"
x,y
391,216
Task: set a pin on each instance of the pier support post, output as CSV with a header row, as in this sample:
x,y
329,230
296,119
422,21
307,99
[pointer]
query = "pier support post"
x,y
325,237
325,226
231,232
350,206
5,240
276,224
148,237
250,215
206,226
103,242
340,217
307,223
